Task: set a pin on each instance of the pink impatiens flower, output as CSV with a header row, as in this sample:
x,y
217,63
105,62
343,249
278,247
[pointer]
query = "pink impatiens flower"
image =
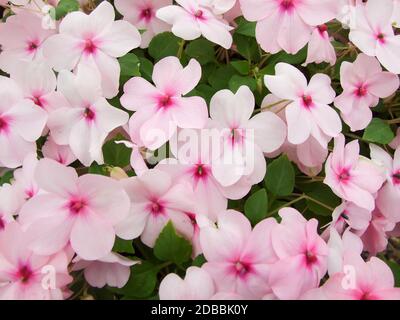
x,y
82,211
112,269
302,255
191,19
25,275
373,33
244,138
309,113
353,177
142,14
389,196
154,204
287,24
197,285
9,205
363,84
62,154
94,39
160,109
320,48
85,123
239,258
21,124
21,39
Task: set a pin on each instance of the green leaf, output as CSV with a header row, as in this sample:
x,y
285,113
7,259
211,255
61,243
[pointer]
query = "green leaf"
x,y
6,177
66,6
146,68
237,81
99,169
246,28
280,177
241,66
396,271
256,206
130,65
378,131
202,50
247,47
163,45
116,154
199,261
123,246
324,194
219,78
172,247
142,280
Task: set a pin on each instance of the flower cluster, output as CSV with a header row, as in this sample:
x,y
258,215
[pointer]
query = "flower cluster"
x,y
209,149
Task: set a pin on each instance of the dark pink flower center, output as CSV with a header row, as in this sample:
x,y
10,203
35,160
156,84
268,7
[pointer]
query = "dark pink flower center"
x,y
24,273
344,175
201,171
89,47
307,101
322,28
29,193
236,136
38,100
192,218
156,208
311,258
146,14
2,223
396,178
381,37
165,101
77,206
361,91
242,268
344,215
89,114
287,5
199,14
32,46
4,125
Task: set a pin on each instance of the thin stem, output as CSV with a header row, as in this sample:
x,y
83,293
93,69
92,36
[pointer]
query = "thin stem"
x,y
302,197
394,121
180,50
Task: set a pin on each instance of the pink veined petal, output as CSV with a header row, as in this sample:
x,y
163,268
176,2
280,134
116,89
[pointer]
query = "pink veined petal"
x,y
54,177
92,237
383,84
119,39
199,283
387,53
346,102
311,153
218,32
138,94
320,89
364,39
316,12
266,34
61,122
379,12
109,69
172,287
14,149
293,33
62,51
101,17
170,14
108,117
359,196
157,130
165,70
153,228
359,118
381,272
132,226
381,156
256,10
190,112
188,78
298,122
327,119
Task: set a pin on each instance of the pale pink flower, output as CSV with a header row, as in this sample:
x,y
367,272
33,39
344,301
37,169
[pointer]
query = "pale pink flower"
x,y
21,124
233,13
191,19
244,138
353,177
197,285
142,14
21,39
239,258
161,109
302,255
375,237
395,143
363,83
320,48
155,200
82,211
373,33
372,280
9,205
85,123
94,39
309,113
287,24
38,83
62,154
112,270
23,272
389,196
309,155
219,6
